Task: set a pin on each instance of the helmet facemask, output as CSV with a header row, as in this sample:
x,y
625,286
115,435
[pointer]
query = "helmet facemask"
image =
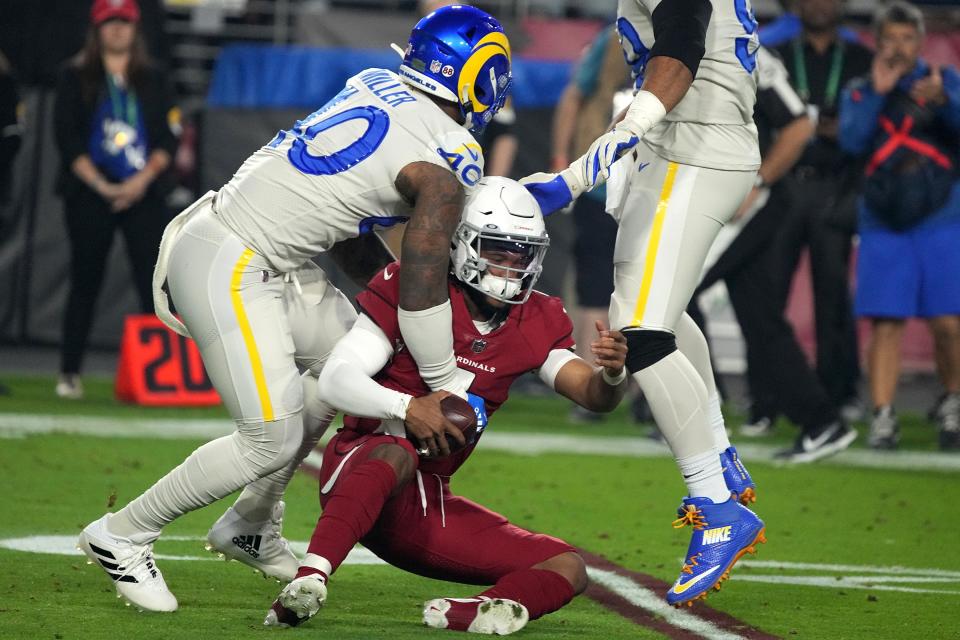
x,y
511,284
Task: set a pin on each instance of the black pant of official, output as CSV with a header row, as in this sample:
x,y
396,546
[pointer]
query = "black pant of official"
x,y
780,378
823,218
91,227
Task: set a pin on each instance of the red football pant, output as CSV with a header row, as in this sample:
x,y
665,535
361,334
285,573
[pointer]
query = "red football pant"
x,y
425,529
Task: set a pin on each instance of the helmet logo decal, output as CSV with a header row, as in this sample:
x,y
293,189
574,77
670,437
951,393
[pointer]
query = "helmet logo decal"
x,y
491,45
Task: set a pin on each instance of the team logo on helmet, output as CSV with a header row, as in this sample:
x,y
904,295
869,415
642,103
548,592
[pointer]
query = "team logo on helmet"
x,y
483,60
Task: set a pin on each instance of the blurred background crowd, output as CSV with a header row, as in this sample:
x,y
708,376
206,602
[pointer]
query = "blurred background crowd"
x,y
840,273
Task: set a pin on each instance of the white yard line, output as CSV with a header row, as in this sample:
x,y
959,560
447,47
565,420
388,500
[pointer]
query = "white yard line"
x,y
20,424
654,603
839,568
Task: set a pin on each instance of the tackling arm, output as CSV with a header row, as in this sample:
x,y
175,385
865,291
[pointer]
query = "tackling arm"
x,y
424,315
596,388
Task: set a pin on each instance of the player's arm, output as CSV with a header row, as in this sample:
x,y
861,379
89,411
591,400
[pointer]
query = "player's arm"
x,y
361,258
425,316
597,388
680,29
347,383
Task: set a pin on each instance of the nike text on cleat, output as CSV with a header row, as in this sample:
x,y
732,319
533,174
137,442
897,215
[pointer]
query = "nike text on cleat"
x,y
833,439
722,533
496,616
130,566
298,602
738,479
258,544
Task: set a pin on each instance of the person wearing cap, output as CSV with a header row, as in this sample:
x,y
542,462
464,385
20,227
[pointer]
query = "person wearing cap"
x,y
111,128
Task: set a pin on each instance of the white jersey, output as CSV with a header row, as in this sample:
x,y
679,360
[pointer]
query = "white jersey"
x,y
713,125
332,176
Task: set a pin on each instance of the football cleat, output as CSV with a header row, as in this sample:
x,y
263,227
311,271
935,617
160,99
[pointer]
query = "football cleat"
x,y
298,602
738,479
496,616
831,440
258,544
722,533
131,567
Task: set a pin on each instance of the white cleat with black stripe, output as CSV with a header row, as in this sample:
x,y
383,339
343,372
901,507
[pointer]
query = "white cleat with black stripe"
x,y
131,567
260,545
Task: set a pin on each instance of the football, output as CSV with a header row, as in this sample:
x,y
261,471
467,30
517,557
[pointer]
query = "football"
x,y
462,415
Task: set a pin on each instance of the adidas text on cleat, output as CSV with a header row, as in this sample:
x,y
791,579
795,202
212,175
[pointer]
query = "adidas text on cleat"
x,y
722,533
298,602
258,544
131,567
738,479
496,616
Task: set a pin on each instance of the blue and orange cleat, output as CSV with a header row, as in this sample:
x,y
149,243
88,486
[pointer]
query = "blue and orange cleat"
x,y
722,533
738,479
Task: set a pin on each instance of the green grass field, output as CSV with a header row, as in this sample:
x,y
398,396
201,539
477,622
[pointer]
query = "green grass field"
x,y
896,527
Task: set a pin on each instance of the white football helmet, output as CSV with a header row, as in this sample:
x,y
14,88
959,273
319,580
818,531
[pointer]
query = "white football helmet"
x,y
500,214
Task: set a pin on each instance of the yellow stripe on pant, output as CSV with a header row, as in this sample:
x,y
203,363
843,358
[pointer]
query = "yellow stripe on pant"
x,y
244,324
654,244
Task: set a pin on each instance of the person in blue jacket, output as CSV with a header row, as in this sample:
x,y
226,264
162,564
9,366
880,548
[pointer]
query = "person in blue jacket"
x,y
904,119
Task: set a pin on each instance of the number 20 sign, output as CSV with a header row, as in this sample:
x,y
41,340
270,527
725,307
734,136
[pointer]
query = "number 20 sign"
x,y
160,368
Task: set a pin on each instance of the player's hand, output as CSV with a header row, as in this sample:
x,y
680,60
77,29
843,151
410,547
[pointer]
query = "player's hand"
x,y
425,422
130,191
593,167
886,71
929,89
609,350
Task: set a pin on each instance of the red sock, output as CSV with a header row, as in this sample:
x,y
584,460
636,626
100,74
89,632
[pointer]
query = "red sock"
x,y
351,511
539,590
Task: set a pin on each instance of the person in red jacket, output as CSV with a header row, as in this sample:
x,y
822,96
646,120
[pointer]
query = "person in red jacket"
x,y
379,488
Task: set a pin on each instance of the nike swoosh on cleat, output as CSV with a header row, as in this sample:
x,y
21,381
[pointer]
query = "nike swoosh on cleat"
x,y
815,443
680,588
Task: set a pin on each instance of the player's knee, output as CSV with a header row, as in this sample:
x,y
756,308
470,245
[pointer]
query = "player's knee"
x,y
646,347
269,446
571,566
403,461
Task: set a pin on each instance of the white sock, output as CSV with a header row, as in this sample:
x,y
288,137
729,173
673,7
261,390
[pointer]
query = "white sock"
x,y
715,416
677,397
704,476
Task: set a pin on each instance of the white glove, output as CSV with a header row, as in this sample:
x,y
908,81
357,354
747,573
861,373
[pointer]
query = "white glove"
x,y
593,167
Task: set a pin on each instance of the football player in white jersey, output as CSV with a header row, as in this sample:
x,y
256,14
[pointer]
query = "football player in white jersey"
x,y
690,157
389,147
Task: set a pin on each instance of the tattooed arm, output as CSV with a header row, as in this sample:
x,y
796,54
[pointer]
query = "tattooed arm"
x,y
424,314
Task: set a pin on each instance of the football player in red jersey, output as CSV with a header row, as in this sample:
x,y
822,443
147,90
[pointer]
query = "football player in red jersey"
x,y
380,489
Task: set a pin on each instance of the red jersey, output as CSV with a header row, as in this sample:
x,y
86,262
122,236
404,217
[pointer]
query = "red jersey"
x,y
519,345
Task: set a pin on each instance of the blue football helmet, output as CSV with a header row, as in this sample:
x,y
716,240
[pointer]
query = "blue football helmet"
x,y
460,54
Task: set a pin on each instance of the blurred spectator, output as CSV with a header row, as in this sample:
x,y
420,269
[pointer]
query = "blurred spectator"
x,y
904,117
583,113
110,121
10,129
824,186
778,374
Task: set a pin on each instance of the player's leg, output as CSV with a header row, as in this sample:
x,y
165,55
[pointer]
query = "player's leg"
x,y
250,530
671,217
532,574
693,344
358,477
232,308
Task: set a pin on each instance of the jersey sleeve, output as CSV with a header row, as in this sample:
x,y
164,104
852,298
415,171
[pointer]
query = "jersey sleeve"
x,y
381,299
776,99
461,153
559,333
